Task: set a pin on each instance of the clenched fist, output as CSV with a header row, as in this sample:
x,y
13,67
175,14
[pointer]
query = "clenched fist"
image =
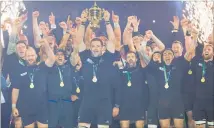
x,y
35,14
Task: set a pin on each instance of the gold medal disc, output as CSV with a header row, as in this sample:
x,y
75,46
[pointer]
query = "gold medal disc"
x,y
31,85
94,79
190,72
166,86
129,84
78,90
202,79
61,84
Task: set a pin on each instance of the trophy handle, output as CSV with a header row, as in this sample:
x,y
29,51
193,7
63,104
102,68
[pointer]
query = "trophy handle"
x,y
103,10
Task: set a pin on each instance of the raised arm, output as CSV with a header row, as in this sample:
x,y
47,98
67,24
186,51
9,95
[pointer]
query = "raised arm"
x,y
13,38
64,40
36,30
190,48
117,31
127,34
74,58
111,37
88,36
159,43
81,31
50,54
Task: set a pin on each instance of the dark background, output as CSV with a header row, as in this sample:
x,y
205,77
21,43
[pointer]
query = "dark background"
x,y
160,11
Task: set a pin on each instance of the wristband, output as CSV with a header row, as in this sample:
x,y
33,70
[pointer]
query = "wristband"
x,y
13,105
135,34
53,26
188,33
83,23
116,25
107,22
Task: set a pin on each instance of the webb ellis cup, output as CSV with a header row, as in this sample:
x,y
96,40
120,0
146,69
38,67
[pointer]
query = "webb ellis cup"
x,y
95,16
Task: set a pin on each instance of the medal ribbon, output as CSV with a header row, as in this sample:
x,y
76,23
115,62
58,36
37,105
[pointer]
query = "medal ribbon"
x,y
21,62
166,74
203,69
94,70
128,76
94,65
31,76
75,81
60,75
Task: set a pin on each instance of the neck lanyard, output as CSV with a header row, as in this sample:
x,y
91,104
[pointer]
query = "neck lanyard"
x,y
128,74
61,77
21,62
95,67
166,77
129,78
77,86
190,71
203,72
31,76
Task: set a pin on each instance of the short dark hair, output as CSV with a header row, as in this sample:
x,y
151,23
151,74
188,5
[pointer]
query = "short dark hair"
x,y
21,42
59,50
129,52
97,39
178,42
168,49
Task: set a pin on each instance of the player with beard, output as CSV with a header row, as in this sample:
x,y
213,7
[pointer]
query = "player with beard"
x,y
134,94
102,80
60,92
169,75
152,111
29,94
203,82
187,89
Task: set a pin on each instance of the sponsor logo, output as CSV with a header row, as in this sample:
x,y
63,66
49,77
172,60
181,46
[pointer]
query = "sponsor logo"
x,y
23,74
161,68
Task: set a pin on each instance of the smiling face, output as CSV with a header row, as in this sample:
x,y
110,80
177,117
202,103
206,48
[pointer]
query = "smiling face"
x,y
60,58
157,57
21,49
131,59
168,57
30,56
208,52
177,49
96,48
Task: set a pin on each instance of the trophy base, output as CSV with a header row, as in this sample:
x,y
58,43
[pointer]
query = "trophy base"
x,y
94,27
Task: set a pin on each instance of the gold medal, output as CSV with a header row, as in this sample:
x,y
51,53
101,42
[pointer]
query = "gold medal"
x,y
94,79
202,79
166,86
61,84
129,83
31,85
78,90
190,72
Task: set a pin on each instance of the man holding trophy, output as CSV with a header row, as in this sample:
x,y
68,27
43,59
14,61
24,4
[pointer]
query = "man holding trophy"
x,y
101,96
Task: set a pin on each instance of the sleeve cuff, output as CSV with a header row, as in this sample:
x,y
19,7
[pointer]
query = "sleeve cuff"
x,y
53,26
135,34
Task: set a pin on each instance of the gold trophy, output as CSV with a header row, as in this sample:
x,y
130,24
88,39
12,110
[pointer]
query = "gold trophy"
x,y
95,16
